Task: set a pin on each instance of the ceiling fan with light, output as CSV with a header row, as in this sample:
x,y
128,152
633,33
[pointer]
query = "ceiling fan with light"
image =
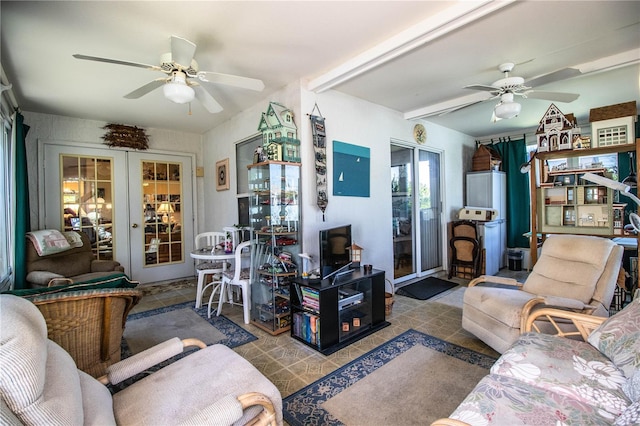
x,y
180,86
508,87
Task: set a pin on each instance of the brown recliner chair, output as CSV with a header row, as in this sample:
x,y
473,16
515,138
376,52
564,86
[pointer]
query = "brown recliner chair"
x,y
574,272
74,265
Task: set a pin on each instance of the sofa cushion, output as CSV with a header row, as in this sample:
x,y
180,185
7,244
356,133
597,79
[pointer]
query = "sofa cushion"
x,y
630,416
114,280
503,400
576,261
502,304
632,387
568,367
618,338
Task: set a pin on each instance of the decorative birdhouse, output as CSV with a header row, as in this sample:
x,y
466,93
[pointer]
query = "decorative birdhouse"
x,y
613,124
279,134
356,255
556,131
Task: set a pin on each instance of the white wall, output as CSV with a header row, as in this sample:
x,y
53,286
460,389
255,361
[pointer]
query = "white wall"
x,y
46,127
350,120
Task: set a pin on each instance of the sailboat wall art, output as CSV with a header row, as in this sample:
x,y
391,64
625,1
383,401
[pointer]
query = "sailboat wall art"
x,y
351,170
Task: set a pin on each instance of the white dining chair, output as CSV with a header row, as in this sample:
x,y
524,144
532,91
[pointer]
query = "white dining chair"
x,y
209,267
239,277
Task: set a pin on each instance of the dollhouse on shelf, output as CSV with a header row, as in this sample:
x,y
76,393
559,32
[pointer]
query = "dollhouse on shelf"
x,y
279,134
557,131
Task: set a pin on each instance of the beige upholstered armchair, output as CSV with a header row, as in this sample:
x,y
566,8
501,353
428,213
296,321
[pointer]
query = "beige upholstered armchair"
x,y
577,273
40,384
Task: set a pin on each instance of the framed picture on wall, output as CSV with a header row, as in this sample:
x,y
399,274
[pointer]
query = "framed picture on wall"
x,y
222,174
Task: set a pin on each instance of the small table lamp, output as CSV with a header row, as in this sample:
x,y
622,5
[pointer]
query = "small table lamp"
x,y
356,255
166,210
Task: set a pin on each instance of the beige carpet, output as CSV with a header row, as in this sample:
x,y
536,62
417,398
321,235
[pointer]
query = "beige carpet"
x,y
412,379
418,387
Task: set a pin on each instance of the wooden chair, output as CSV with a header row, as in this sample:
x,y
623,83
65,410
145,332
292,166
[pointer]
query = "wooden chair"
x,y
466,255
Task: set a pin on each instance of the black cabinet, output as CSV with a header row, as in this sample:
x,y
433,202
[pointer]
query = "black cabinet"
x,y
333,313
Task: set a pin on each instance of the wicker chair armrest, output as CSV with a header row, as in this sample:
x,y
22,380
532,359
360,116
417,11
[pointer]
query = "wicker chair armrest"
x,y
142,361
449,422
495,280
230,409
583,323
42,278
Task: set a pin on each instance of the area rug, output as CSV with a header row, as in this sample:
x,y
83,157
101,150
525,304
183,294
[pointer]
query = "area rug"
x,y
145,329
426,288
412,379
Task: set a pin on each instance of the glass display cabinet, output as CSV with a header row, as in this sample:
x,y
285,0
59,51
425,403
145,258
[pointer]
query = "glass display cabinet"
x,y
274,219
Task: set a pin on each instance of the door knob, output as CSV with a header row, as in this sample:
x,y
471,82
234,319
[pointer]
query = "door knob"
x,y
135,225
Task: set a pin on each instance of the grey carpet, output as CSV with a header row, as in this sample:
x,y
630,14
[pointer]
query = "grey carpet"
x,y
184,323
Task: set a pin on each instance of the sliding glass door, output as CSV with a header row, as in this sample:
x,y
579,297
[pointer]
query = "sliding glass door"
x,y
417,211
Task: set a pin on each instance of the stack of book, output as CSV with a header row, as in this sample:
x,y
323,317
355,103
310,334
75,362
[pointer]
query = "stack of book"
x,y
311,299
307,327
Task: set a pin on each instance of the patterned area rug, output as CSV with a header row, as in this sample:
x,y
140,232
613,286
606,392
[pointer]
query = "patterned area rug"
x,y
412,379
144,329
149,289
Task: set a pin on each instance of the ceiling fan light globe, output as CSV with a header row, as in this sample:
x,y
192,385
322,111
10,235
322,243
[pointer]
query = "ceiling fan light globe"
x,y
179,93
506,110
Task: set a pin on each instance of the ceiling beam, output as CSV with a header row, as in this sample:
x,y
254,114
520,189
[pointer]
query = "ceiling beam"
x,y
460,14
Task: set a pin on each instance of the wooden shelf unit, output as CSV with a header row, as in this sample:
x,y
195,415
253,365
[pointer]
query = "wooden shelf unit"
x,y
540,158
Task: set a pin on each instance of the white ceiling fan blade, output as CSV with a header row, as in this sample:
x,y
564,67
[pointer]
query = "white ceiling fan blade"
x,y
118,62
483,87
141,91
206,99
231,80
551,96
552,77
182,51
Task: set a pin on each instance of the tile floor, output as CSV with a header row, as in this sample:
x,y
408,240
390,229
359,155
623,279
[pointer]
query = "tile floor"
x,y
290,365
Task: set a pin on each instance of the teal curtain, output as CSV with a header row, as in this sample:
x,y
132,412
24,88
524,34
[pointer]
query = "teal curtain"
x,y
514,153
22,221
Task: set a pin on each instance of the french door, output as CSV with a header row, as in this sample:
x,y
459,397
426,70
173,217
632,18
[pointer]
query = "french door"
x,y
416,191
135,207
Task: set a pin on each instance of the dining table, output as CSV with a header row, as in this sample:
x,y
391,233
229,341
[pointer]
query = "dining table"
x,y
211,254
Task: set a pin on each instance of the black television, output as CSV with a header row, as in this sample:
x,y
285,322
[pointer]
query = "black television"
x,y
334,249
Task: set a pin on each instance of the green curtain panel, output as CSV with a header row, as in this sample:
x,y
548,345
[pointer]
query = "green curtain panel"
x,y
514,153
22,220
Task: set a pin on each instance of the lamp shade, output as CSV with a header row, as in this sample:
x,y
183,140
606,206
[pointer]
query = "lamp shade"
x,y
177,89
507,110
165,208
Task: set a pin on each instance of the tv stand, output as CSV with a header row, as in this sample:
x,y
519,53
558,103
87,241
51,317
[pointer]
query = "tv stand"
x,y
331,314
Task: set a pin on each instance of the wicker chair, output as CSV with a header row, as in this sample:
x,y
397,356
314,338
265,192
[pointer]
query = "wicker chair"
x,y
88,324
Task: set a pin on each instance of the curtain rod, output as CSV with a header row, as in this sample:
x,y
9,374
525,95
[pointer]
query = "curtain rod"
x,y
506,138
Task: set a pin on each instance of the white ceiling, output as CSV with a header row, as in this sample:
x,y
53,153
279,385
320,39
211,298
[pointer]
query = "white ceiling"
x,y
413,57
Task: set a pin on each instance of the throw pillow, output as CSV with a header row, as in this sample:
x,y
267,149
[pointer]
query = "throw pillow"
x,y
618,338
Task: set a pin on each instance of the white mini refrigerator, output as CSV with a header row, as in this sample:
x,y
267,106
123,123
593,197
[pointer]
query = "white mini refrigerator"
x,y
489,190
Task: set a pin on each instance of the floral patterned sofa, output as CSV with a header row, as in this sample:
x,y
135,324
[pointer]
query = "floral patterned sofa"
x,y
559,380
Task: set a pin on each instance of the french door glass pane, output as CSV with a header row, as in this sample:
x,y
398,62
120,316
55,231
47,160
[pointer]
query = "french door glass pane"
x,y
162,197
87,200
